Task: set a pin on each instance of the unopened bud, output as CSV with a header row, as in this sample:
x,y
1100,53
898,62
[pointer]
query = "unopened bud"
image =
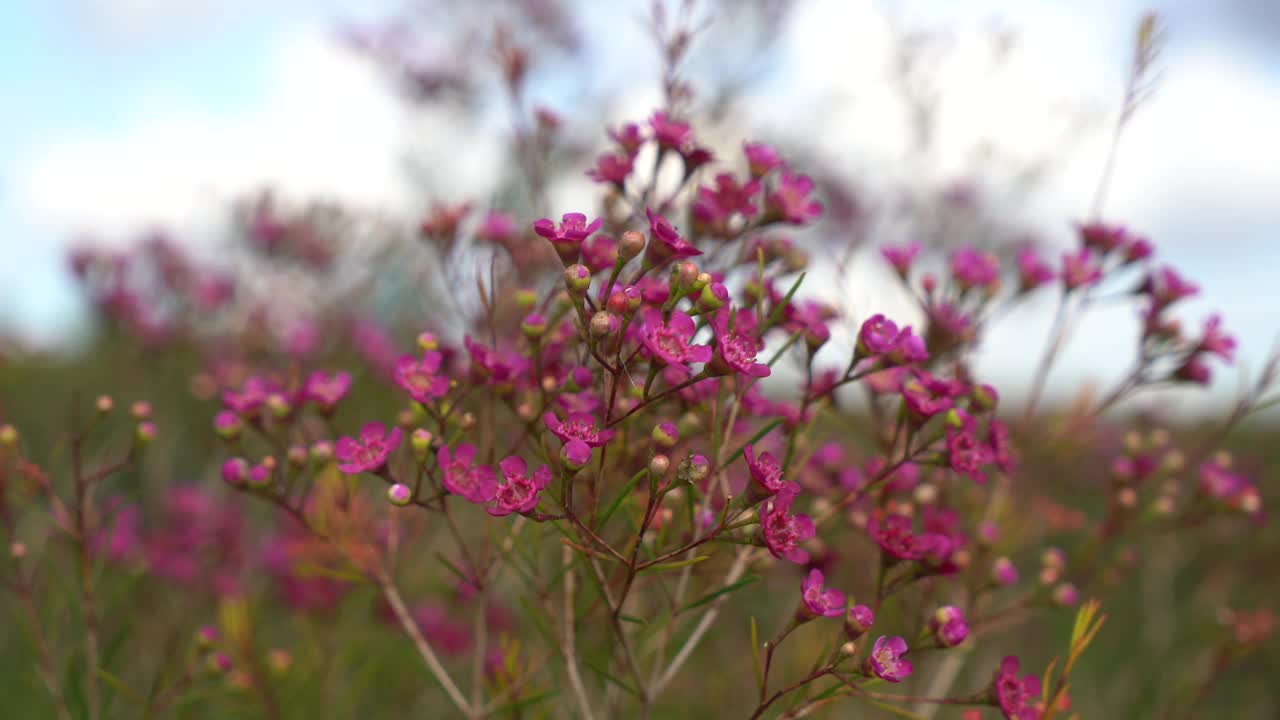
x,y
659,465
665,435
604,324
577,280
399,494
713,297
105,404
146,432
322,451
235,471
630,245
298,456
526,299
533,325
227,425
278,405
575,454
259,476
8,435
1066,595
692,469
420,441
427,342
141,410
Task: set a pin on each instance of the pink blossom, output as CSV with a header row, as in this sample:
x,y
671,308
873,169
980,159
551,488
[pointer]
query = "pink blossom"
x,y
886,660
791,201
816,601
782,531
369,453
664,242
421,377
1016,696
326,390
519,491
737,344
578,426
761,158
473,482
668,343
766,474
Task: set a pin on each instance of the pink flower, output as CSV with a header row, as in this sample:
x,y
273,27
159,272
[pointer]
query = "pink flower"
x,y
498,367
791,201
948,626
965,455
665,243
1217,341
886,660
251,396
629,138
567,238
857,621
1103,237
901,257
737,345
578,426
1079,269
926,395
877,336
670,134
815,601
1032,271
766,471
473,482
326,390
1167,287
1016,696
715,206
668,343
421,378
761,158
783,532
896,537
519,491
973,268
497,227
611,168
370,452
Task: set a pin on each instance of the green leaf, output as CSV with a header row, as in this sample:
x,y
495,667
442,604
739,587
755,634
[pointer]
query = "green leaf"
x,y
754,439
717,593
631,619
777,311
676,564
120,687
610,677
622,495
755,654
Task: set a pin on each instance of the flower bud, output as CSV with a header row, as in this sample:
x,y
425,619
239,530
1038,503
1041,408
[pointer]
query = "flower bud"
x,y
260,476
857,621
322,451
1004,572
692,469
618,303
206,636
848,650
219,663
141,410
104,404
399,494
145,433
1066,595
278,405
700,282
8,435
604,324
427,342
988,533
659,465
630,245
1054,557
713,297
420,441
279,660
665,435
227,425
298,456
948,626
575,454
984,398
235,471
577,280
526,298
533,325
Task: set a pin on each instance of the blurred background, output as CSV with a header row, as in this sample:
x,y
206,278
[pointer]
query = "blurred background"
x,y
123,118
257,176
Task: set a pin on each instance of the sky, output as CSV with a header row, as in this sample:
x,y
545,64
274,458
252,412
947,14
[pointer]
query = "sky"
x,y
120,114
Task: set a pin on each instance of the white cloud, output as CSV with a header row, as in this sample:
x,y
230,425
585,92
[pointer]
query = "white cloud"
x,y
328,126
